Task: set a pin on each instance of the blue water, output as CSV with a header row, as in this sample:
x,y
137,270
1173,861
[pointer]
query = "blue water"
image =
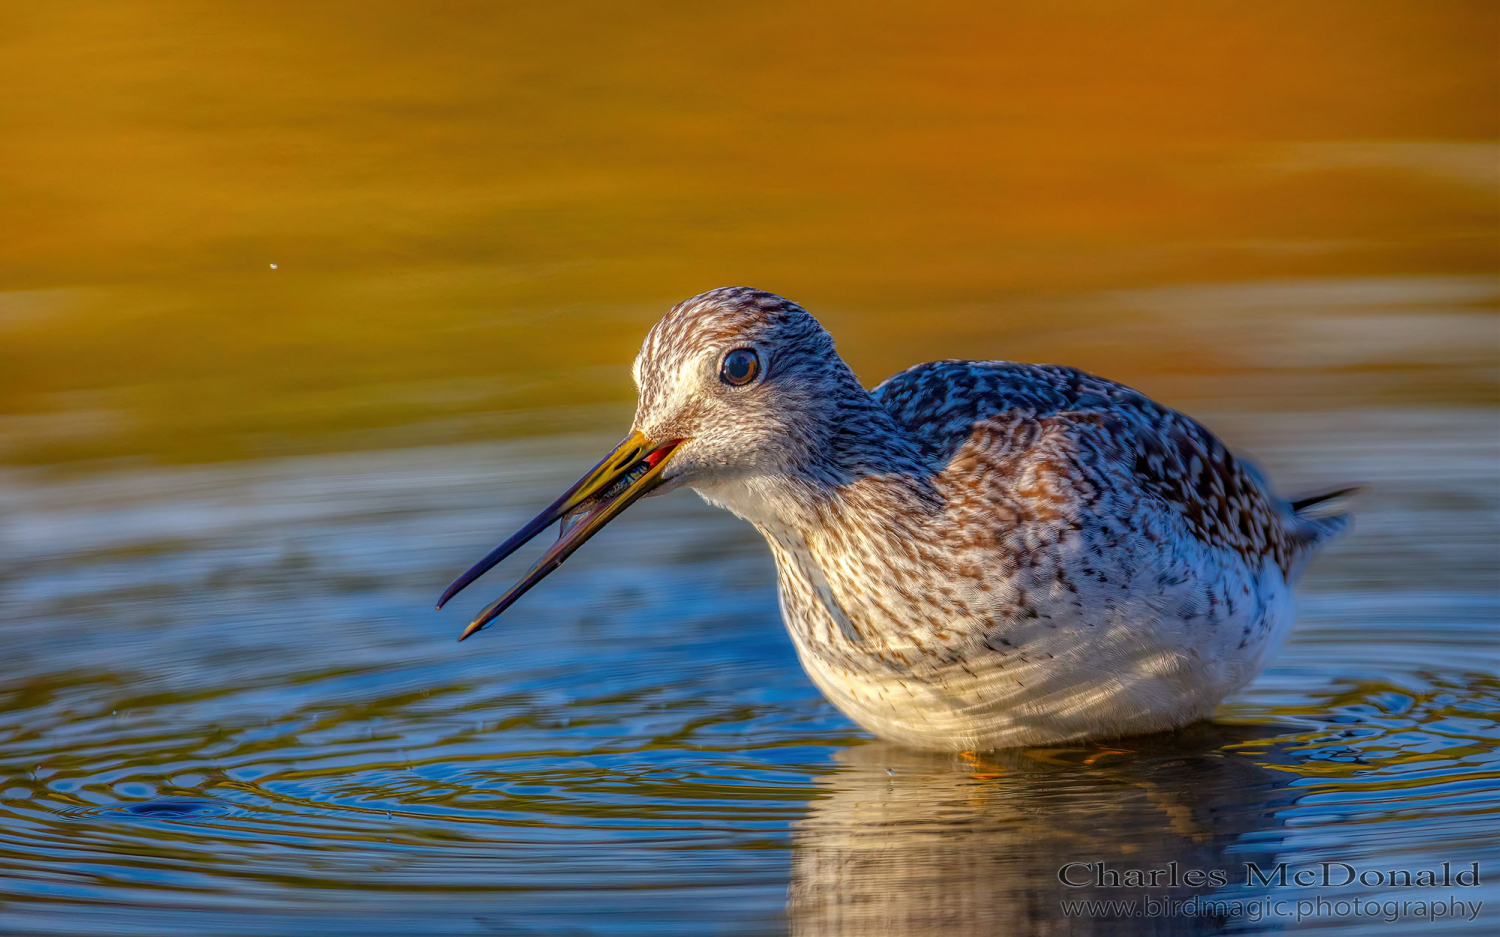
x,y
227,706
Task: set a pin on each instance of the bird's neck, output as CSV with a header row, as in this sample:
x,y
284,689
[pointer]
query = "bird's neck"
x,y
861,468
866,446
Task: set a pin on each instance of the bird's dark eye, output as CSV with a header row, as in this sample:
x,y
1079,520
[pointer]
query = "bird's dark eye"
x,y
740,367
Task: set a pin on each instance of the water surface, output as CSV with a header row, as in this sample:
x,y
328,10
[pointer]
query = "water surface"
x,y
303,307
226,691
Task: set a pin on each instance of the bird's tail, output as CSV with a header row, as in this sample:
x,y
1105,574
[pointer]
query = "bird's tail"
x,y
1312,528
1313,500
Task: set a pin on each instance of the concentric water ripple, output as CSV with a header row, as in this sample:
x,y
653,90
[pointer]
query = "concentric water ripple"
x,y
227,706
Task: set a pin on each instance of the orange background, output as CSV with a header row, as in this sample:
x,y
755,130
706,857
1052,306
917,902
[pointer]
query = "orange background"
x,y
476,212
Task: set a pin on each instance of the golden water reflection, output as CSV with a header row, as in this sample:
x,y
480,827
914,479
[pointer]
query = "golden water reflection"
x,y
242,231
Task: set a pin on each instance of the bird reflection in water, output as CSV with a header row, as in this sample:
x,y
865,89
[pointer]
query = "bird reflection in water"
x,y
913,843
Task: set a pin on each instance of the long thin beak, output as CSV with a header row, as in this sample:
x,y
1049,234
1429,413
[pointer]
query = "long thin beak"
x,y
622,478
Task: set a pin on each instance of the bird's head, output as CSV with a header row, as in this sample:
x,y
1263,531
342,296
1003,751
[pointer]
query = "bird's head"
x,y
745,380
733,385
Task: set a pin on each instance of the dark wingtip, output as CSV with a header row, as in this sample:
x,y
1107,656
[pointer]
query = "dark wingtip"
x,y
1312,500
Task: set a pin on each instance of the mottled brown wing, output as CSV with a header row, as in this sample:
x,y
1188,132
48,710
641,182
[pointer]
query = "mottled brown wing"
x,y
1121,434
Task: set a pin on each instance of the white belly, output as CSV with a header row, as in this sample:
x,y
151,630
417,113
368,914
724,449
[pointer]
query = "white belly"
x,y
1126,669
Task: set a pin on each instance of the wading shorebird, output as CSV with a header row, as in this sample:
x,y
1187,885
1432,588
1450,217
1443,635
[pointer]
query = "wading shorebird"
x,y
974,555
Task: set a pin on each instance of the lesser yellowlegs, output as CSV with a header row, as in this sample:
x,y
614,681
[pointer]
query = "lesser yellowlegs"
x,y
975,554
